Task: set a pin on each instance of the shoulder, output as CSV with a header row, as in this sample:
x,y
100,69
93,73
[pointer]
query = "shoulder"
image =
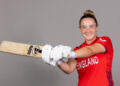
x,y
104,38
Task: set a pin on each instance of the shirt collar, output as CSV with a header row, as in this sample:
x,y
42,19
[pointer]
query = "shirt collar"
x,y
91,42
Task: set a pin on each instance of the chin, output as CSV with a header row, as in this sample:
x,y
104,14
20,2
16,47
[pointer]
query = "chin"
x,y
89,38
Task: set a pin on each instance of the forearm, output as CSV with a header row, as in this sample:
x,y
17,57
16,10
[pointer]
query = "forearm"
x,y
64,67
84,52
90,50
68,67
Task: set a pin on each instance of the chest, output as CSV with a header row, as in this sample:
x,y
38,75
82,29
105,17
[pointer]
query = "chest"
x,y
92,62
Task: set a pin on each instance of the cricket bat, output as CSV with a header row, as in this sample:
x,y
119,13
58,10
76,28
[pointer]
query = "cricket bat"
x,y
21,49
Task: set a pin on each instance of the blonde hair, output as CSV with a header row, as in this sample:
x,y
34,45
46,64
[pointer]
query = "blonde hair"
x,y
88,12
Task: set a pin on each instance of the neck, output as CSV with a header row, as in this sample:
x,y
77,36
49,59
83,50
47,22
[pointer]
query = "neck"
x,y
90,41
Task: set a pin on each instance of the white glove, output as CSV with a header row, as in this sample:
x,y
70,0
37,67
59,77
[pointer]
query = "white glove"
x,y
59,52
67,52
56,53
46,50
52,55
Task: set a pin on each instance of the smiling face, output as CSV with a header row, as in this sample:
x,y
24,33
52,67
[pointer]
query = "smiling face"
x,y
88,29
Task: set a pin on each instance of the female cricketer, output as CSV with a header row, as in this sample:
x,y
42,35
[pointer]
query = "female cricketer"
x,y
92,59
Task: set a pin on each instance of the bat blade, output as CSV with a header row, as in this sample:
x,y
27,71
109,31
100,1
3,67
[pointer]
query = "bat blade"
x,y
21,49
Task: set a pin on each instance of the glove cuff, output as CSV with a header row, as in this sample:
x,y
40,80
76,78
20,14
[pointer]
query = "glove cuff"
x,y
72,55
59,62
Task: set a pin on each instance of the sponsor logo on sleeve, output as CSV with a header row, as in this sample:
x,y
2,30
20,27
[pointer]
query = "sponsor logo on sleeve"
x,y
102,40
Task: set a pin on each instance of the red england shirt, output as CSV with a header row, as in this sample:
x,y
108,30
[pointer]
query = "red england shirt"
x,y
96,69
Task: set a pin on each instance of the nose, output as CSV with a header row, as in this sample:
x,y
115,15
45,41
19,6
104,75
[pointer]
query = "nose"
x,y
87,29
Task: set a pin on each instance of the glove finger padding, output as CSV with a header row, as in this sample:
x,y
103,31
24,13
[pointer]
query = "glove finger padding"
x,y
56,53
66,50
46,50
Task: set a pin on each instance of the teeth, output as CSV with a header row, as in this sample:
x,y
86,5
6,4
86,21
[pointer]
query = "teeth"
x,y
88,34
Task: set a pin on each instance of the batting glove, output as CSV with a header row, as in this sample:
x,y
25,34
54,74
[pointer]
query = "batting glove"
x,y
56,53
60,52
46,50
67,52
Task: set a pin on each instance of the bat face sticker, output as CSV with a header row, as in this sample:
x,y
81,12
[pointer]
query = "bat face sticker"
x,y
34,50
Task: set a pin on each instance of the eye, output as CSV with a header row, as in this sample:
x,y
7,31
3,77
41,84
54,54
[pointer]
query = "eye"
x,y
83,27
91,26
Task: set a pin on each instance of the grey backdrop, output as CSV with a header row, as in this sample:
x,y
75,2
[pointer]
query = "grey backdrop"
x,y
51,22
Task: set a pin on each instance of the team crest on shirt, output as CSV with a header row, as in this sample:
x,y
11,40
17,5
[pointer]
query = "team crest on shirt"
x,y
87,62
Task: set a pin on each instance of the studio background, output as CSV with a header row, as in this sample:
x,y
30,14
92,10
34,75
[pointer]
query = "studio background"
x,y
51,22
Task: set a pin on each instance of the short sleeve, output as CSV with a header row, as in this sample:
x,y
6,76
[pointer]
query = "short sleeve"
x,y
106,42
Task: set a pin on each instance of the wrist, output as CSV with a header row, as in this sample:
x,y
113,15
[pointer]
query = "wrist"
x,y
59,62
